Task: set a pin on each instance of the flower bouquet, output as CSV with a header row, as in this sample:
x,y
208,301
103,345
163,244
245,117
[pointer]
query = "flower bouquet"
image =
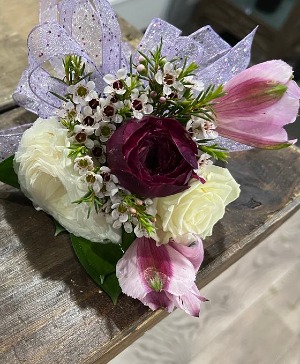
x,y
122,153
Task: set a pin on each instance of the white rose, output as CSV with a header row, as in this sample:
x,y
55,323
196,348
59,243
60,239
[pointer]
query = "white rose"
x,y
47,177
197,209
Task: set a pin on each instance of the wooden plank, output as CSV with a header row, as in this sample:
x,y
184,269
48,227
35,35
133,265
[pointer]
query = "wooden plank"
x,y
51,311
269,42
16,117
17,18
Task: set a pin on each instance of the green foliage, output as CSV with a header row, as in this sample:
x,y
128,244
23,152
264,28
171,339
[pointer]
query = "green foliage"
x,y
111,287
62,98
7,172
278,146
145,220
127,239
215,151
99,261
212,92
92,200
74,69
77,150
58,228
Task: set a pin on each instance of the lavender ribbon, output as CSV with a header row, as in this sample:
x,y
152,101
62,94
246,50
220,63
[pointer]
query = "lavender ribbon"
x,y
90,29
10,139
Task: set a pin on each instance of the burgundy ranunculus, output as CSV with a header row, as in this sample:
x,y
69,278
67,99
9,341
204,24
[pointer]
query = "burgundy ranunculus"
x,y
153,157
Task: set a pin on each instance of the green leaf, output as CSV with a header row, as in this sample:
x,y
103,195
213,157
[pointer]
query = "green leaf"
x,y
58,228
215,151
99,261
277,146
111,287
127,239
59,96
7,172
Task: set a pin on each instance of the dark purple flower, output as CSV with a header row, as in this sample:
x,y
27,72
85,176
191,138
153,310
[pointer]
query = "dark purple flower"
x,y
154,157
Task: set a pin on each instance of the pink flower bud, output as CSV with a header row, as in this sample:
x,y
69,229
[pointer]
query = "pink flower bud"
x,y
141,68
132,211
142,59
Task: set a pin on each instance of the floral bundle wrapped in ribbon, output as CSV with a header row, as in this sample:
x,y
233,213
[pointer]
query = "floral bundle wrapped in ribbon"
x,y
122,154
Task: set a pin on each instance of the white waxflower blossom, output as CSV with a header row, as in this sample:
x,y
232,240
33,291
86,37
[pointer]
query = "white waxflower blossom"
x,y
82,92
204,161
110,184
108,111
69,111
169,78
140,104
201,128
150,207
115,83
82,134
94,180
105,131
193,83
119,214
47,177
99,152
83,164
140,232
128,227
89,121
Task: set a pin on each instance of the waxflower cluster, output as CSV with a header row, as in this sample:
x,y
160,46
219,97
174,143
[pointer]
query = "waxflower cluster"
x,y
142,108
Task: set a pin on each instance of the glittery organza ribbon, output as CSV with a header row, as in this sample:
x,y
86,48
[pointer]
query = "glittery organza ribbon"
x,y
90,29
10,139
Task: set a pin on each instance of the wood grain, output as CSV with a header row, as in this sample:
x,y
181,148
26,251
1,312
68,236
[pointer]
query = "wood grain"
x,y
16,117
269,42
17,18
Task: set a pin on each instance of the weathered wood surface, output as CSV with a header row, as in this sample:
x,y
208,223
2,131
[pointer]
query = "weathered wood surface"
x,y
51,311
269,42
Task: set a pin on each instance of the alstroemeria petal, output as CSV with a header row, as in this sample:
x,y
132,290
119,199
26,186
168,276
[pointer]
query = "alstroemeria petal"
x,y
259,102
275,70
264,128
156,300
190,302
161,276
293,90
194,252
128,274
183,272
175,272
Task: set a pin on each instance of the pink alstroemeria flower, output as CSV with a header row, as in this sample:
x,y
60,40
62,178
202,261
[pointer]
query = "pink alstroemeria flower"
x,y
162,276
258,103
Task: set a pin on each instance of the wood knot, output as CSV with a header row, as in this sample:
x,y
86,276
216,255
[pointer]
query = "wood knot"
x,y
252,204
